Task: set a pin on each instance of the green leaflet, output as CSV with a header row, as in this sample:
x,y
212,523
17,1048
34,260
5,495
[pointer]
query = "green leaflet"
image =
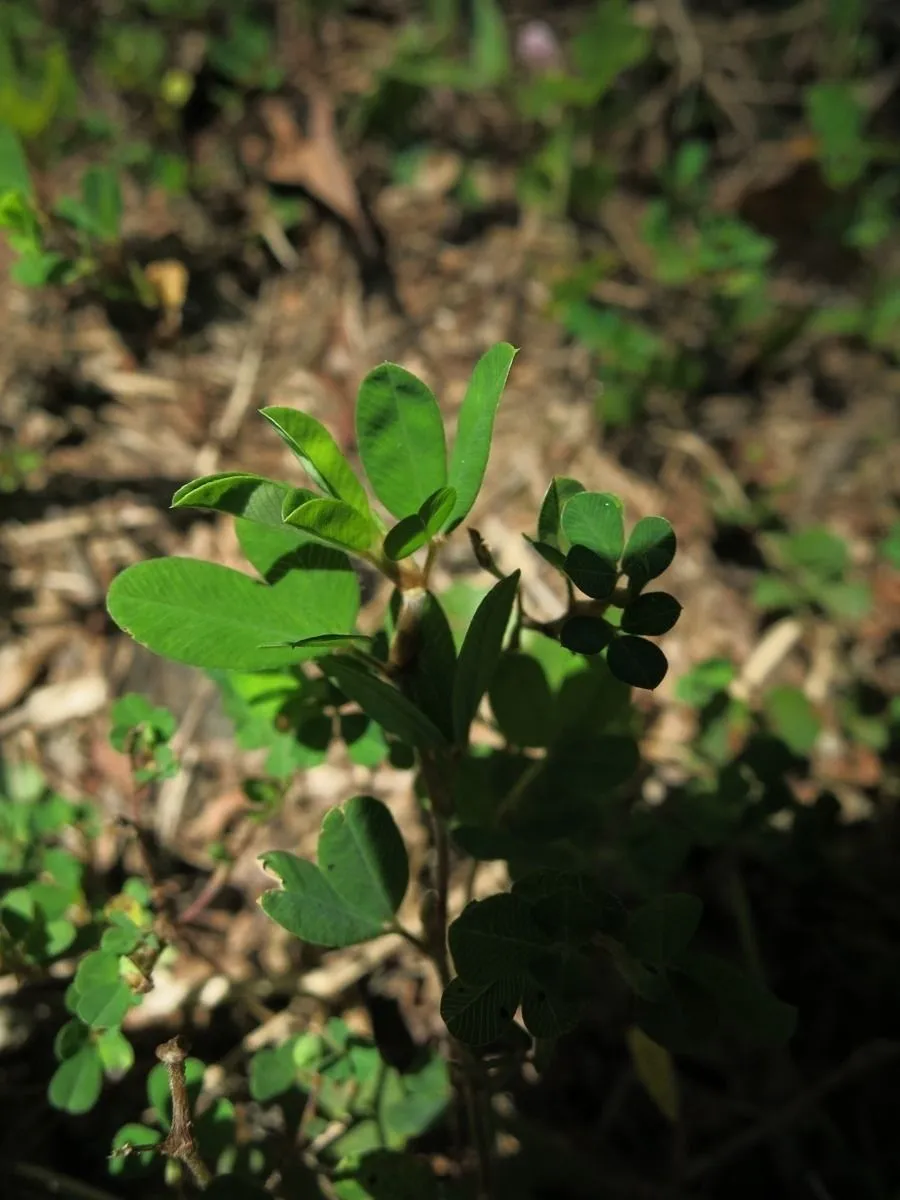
x,y
472,445
319,455
652,613
239,493
358,885
383,703
414,531
401,439
495,937
636,661
77,1082
211,616
478,1014
662,929
333,522
595,520
649,550
521,700
480,652
560,490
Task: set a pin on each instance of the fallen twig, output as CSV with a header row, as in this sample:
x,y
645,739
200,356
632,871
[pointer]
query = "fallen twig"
x,y
179,1142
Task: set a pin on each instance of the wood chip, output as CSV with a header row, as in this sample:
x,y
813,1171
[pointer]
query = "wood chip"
x,y
56,704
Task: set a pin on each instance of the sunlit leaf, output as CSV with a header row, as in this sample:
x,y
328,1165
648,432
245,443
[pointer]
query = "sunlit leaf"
x,y
211,616
77,1082
401,439
332,522
236,492
472,445
595,520
792,717
560,490
418,528
319,455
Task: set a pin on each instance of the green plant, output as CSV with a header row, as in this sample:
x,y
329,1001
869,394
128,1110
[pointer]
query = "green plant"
x,y
43,875
124,939
366,1110
47,919
17,463
52,917
633,359
693,243
559,100
813,571
79,241
243,55
869,720
727,723
33,77
552,796
108,982
567,99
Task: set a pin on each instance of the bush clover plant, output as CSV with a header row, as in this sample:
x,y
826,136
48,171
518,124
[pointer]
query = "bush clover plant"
x,y
548,792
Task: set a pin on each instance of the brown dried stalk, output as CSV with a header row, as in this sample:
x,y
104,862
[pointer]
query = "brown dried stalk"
x,y
179,1142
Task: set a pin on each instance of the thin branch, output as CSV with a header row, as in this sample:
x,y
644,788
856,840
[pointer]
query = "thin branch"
x,y
436,771
180,1142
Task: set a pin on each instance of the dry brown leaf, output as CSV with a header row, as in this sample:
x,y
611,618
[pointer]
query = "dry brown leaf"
x,y
312,159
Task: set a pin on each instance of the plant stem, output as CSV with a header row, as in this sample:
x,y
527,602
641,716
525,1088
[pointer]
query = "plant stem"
x,y
442,887
435,780
436,770
179,1142
471,1084
479,1126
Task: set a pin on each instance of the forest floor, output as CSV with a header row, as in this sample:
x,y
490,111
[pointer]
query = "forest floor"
x,y
121,411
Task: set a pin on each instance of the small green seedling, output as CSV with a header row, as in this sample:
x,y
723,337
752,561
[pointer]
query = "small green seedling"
x,y
48,919
44,898
814,572
78,242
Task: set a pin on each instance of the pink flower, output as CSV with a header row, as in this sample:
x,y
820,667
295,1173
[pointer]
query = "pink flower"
x,y
537,47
